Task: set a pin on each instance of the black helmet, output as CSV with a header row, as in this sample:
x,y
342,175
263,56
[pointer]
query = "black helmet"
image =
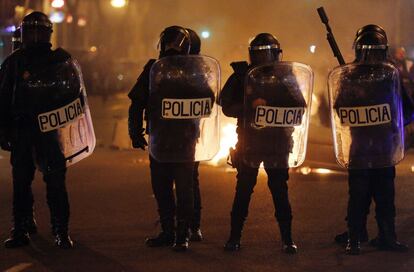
x,y
16,39
36,28
174,40
371,41
195,42
264,48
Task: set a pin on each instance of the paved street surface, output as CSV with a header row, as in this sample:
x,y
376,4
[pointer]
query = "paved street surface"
x,y
113,209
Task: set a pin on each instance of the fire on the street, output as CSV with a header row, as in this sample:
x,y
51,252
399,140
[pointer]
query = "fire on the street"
x,y
228,138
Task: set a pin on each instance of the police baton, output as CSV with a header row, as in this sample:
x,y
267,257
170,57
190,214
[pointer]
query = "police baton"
x,y
330,37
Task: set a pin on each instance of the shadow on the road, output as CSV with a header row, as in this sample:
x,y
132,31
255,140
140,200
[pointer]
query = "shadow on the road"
x,y
80,258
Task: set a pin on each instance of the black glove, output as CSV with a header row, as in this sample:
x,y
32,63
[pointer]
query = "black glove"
x,y
139,142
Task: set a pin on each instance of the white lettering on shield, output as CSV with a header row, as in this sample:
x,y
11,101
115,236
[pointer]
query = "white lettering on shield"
x,y
365,116
60,117
278,116
186,108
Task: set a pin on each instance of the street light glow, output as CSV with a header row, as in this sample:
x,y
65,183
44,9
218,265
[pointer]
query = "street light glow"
x,y
11,28
81,22
312,49
69,19
118,3
58,3
205,34
57,17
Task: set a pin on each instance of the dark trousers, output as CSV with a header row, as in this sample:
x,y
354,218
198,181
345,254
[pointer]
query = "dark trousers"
x,y
246,180
163,178
196,221
365,184
57,198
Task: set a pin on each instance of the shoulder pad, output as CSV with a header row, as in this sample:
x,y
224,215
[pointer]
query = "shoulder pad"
x,y
61,54
149,64
15,54
240,67
12,59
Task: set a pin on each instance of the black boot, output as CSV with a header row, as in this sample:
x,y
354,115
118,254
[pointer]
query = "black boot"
x,y
18,238
182,237
60,231
162,239
233,243
387,238
342,238
393,246
30,225
63,240
195,232
353,246
165,238
196,235
288,246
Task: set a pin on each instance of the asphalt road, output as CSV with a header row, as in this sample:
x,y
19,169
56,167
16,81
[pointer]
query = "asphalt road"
x,y
113,209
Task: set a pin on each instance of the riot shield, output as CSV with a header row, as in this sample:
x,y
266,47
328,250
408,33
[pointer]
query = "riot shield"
x,y
183,117
64,133
366,115
277,103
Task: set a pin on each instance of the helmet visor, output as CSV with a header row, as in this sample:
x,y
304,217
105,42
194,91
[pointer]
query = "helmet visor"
x,y
35,33
371,46
176,42
264,54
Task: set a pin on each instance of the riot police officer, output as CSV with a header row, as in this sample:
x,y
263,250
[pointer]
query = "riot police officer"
x,y
252,143
408,108
373,149
34,80
174,41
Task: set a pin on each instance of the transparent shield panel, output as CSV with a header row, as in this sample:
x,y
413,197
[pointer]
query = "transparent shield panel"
x,y
277,106
182,110
366,115
66,134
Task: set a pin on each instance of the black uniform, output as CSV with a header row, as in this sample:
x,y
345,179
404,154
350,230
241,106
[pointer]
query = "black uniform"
x,y
196,220
231,99
408,109
364,184
18,123
163,175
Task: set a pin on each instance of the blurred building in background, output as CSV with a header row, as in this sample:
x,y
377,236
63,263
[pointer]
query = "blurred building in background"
x,y
114,38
